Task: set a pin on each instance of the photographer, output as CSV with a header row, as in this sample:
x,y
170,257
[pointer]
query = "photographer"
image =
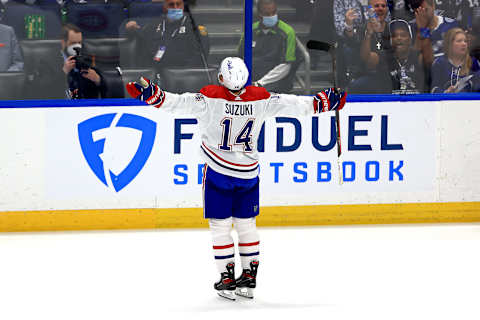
x,y
84,81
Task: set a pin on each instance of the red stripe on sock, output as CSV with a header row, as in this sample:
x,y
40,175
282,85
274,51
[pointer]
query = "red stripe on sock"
x,y
223,247
249,244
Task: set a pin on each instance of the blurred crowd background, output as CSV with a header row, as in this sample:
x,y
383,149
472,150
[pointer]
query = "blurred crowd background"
x,y
75,49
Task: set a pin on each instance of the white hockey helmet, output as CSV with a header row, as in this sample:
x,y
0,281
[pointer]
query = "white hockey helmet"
x,y
234,73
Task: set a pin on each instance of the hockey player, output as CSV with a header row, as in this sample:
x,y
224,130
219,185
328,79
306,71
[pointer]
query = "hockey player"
x,y
230,117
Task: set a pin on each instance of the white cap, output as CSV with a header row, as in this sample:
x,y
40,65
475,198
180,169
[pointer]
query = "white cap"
x,y
234,73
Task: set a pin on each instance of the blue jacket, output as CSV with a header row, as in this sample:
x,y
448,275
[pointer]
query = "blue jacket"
x,y
444,24
445,74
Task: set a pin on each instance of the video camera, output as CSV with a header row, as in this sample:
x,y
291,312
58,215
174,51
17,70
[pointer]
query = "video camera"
x,y
81,61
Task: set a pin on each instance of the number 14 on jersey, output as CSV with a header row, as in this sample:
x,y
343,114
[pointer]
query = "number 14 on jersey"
x,y
244,136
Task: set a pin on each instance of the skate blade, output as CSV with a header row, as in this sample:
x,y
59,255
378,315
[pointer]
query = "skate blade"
x,y
227,294
244,292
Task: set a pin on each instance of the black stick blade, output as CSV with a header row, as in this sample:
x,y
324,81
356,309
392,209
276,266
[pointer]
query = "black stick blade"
x,y
319,45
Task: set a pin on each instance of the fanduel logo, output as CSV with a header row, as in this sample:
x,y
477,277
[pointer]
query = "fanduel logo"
x,y
109,145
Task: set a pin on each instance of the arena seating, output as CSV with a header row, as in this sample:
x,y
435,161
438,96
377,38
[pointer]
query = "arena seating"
x,y
11,85
97,20
107,52
101,21
187,80
145,9
130,75
33,21
43,69
113,79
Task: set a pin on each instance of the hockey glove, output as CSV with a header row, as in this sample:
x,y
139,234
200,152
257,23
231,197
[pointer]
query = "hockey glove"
x,y
146,91
330,99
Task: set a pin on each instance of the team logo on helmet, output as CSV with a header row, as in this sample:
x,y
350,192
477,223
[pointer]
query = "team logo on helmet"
x,y
234,73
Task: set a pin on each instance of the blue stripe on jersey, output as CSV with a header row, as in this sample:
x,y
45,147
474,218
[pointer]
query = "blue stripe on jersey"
x,y
221,165
249,254
224,257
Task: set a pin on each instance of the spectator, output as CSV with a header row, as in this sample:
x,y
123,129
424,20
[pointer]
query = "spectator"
x,y
435,26
11,58
274,49
349,22
404,68
377,36
400,69
84,81
460,10
172,40
376,39
347,14
351,29
456,71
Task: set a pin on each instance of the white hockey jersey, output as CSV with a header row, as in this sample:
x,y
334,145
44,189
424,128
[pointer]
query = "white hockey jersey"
x,y
230,125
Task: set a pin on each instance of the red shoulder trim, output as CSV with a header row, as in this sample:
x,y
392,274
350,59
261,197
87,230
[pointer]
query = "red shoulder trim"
x,y
214,91
251,93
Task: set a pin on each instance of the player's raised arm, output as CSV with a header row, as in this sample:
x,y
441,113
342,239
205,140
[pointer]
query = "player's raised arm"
x,y
329,99
150,93
146,91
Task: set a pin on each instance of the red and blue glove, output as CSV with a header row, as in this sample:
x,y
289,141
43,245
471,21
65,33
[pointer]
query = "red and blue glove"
x,y
330,99
146,91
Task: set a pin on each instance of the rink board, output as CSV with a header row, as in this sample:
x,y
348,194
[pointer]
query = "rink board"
x,y
77,166
111,219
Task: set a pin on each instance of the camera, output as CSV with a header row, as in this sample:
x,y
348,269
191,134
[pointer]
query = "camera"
x,y
81,62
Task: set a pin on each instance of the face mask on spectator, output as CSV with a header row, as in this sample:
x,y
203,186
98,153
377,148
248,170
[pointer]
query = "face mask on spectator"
x,y
70,51
174,14
270,21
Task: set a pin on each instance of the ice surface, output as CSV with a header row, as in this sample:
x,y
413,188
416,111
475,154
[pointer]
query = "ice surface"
x,y
352,272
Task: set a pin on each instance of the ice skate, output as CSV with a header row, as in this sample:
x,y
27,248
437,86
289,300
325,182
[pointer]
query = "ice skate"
x,y
247,281
226,285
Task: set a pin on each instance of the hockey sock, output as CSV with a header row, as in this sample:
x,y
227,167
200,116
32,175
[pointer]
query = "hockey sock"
x,y
223,248
248,240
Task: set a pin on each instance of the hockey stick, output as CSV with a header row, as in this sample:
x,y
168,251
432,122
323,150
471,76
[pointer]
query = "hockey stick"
x,y
330,48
